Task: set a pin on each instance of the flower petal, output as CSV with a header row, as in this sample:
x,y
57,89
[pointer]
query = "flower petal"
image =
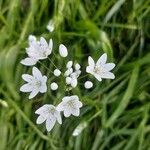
x,y
58,117
91,62
98,77
79,103
109,66
26,88
40,119
108,75
102,59
28,61
60,107
67,112
43,42
50,45
33,93
89,69
43,88
36,73
27,77
42,109
50,122
76,112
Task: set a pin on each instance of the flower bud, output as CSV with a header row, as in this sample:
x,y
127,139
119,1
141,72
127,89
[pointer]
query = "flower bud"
x,y
63,50
57,72
88,84
54,86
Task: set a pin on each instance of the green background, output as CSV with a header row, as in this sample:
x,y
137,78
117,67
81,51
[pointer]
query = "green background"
x,y
116,113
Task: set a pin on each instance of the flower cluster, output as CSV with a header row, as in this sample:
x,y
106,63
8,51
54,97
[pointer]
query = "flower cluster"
x,y
37,83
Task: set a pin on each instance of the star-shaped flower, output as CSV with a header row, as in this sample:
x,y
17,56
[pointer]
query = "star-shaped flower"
x,y
49,114
100,69
36,83
37,50
70,105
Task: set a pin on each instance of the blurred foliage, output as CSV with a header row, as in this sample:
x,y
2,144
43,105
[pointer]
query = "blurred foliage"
x,y
116,113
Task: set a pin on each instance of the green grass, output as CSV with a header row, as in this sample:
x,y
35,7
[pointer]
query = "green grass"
x,y
116,114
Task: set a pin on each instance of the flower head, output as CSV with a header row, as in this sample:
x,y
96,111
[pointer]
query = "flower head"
x,y
100,69
70,105
37,50
36,83
49,114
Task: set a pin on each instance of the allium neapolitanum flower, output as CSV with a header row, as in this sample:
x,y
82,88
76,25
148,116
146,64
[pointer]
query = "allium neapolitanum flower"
x,y
100,69
70,105
36,83
37,50
49,114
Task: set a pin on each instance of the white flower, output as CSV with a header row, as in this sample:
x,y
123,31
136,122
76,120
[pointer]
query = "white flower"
x,y
57,72
37,50
69,64
70,105
36,83
100,69
63,50
49,114
88,84
54,86
50,27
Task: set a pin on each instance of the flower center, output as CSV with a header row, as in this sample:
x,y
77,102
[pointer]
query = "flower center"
x,y
71,104
97,69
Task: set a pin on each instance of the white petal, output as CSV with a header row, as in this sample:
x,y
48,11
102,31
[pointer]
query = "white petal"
x,y
66,99
31,39
63,50
42,109
27,77
36,73
98,77
91,62
50,46
43,42
33,93
60,107
28,61
58,117
40,119
75,112
50,122
26,88
107,75
102,59
79,103
109,66
89,69
67,112
43,88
